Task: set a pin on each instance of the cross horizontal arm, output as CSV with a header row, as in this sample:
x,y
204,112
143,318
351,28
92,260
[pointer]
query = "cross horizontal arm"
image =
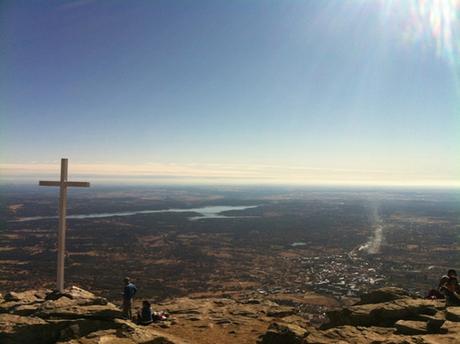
x,y
48,183
80,184
51,183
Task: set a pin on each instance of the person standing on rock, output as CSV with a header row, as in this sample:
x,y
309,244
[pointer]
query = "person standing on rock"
x,y
128,295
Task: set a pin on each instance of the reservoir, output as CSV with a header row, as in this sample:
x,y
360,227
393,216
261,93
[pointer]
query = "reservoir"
x,y
209,212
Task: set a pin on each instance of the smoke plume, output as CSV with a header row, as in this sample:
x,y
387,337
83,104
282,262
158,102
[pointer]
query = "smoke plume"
x,y
372,246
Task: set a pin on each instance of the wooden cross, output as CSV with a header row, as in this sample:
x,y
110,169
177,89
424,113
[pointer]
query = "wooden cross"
x,y
63,184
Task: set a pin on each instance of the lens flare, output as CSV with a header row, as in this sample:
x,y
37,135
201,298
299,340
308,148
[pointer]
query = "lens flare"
x,y
433,23
437,22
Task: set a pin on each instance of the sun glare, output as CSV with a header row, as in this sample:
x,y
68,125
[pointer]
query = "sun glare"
x,y
433,23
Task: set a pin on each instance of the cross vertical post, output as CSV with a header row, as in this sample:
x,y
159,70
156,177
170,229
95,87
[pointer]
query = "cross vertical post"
x,y
62,225
63,184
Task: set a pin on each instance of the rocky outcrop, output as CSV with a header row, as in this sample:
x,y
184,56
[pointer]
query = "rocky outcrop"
x,y
383,314
383,295
80,317
387,315
75,316
284,334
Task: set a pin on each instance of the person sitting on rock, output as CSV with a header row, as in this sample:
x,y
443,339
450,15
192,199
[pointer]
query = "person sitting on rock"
x,y
453,274
444,279
128,295
440,292
434,294
145,314
452,297
442,285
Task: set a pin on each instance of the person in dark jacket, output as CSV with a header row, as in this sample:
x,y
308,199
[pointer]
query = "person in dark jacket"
x,y
452,297
145,314
128,294
453,274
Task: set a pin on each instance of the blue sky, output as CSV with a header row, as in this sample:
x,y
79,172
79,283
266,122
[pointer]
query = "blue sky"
x,y
329,92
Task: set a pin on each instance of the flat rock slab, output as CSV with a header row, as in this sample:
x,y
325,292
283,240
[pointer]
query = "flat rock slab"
x,y
107,312
24,310
280,311
355,335
453,314
130,334
383,314
9,322
26,296
411,327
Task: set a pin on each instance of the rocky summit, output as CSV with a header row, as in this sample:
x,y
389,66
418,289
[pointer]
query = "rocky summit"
x,y
76,316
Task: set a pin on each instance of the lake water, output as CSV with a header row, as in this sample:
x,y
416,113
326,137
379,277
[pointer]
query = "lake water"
x,y
210,212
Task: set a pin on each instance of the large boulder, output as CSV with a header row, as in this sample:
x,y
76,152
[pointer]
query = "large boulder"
x,y
79,296
280,311
382,314
55,309
383,295
281,333
18,329
45,316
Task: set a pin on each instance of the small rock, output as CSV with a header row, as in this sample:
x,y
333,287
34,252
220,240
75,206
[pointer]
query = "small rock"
x,y
252,302
223,302
165,324
222,321
193,317
245,313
